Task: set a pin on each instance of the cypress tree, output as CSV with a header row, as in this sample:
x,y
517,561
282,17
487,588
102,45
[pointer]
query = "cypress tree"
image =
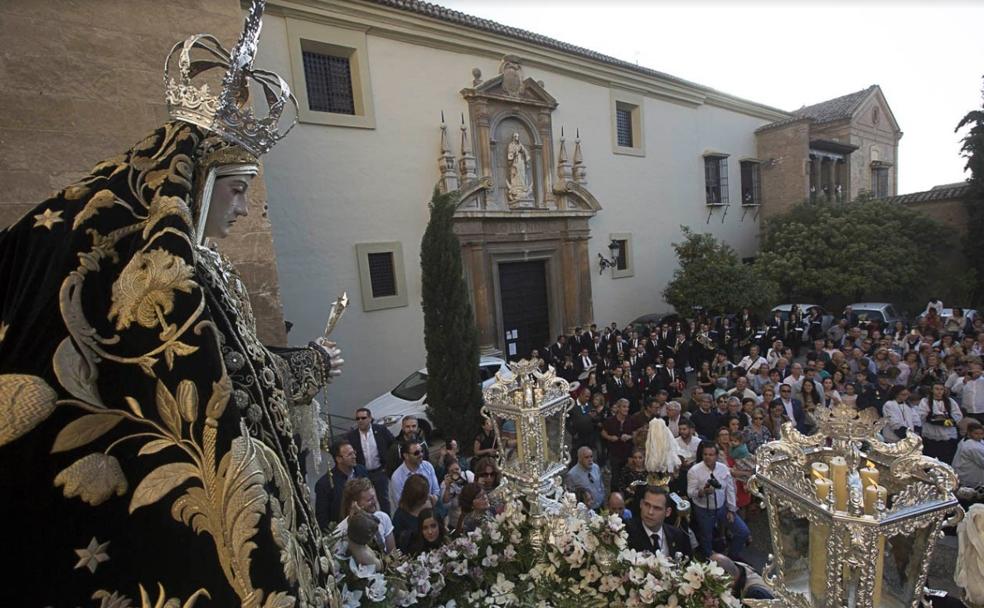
x,y
454,396
973,150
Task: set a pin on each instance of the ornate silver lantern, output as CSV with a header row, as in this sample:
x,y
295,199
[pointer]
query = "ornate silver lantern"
x,y
853,520
531,406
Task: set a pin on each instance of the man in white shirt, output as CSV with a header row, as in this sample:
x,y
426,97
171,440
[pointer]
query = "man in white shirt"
x,y
741,389
968,463
753,361
970,390
413,464
688,442
712,492
795,380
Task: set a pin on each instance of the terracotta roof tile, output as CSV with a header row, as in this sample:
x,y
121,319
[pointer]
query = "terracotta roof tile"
x,y
939,193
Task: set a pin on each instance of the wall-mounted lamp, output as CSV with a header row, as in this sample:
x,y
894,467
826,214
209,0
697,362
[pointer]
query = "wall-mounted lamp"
x,y
611,262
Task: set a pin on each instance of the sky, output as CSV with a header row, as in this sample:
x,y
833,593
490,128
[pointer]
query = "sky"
x,y
928,57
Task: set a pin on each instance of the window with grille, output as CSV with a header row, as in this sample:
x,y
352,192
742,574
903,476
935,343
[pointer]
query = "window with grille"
x,y
329,83
621,255
879,182
750,193
716,180
623,121
381,274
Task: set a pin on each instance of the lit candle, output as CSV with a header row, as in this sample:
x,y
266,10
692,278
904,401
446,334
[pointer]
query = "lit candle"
x,y
838,472
869,475
823,489
872,494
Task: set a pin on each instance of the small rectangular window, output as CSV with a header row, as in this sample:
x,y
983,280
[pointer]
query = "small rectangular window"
x,y
623,117
381,274
879,182
716,180
621,255
750,193
329,83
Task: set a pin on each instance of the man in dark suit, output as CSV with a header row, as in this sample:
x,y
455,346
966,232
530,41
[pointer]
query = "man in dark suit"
x,y
671,379
583,361
650,532
557,351
584,424
372,443
794,407
615,387
328,490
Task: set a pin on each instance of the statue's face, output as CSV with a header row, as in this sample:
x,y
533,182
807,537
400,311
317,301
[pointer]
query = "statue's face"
x,y
516,137
227,205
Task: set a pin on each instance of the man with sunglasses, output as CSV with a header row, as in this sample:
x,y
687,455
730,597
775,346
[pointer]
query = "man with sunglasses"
x,y
413,464
372,443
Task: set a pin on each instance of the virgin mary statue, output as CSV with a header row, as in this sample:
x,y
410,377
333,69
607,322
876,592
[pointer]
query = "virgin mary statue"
x,y
146,444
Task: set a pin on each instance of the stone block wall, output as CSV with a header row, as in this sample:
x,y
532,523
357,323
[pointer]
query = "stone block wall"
x,y
82,81
784,152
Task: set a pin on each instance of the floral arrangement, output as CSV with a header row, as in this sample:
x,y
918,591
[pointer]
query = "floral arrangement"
x,y
583,561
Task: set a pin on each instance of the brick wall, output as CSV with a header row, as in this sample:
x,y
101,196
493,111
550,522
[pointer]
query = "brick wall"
x,y
82,82
784,152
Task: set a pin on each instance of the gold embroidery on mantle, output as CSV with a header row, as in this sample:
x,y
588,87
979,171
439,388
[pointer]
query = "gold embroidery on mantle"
x,y
25,402
47,219
93,555
116,600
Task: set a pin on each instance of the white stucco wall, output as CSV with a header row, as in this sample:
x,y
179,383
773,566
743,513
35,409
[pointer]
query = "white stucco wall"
x,y
332,187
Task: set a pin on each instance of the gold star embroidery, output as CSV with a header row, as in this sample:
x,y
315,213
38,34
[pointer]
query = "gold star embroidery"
x,y
47,219
3,331
93,555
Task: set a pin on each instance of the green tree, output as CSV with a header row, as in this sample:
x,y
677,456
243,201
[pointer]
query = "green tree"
x,y
864,249
973,150
454,396
712,276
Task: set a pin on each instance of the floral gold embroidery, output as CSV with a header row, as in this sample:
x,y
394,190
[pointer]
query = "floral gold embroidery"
x,y
117,600
47,219
3,330
93,478
25,402
100,200
84,430
93,555
144,291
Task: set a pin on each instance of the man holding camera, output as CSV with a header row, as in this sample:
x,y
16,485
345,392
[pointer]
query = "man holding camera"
x,y
712,491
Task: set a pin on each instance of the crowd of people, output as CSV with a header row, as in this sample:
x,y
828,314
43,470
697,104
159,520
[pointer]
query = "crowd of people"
x,y
739,382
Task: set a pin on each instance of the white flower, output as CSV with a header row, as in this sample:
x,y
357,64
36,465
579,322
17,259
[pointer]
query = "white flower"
x,y
361,571
502,591
350,598
376,590
509,552
460,568
491,560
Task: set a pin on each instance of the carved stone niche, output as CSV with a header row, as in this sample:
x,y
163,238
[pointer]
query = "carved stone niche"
x,y
509,113
523,202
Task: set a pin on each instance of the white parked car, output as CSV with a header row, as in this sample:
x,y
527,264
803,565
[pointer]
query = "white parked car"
x,y
409,398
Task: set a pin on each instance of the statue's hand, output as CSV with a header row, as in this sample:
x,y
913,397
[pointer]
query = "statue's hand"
x,y
334,355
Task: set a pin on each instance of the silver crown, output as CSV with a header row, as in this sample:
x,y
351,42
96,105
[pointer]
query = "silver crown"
x,y
228,114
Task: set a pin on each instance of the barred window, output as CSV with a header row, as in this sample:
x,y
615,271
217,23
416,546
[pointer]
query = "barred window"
x,y
750,193
621,254
716,180
329,83
623,117
381,274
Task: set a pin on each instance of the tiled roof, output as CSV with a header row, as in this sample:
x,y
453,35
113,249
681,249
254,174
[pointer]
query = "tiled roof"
x,y
458,18
826,111
939,193
835,109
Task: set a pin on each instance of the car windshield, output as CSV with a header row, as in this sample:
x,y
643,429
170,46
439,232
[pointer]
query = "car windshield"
x,y
890,312
413,388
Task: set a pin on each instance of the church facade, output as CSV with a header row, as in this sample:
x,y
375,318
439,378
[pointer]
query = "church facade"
x,y
576,170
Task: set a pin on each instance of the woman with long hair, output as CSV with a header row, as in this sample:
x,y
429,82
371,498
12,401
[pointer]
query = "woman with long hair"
x,y
429,535
414,499
475,508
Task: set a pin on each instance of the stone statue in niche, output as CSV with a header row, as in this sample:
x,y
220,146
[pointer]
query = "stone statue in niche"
x,y
518,159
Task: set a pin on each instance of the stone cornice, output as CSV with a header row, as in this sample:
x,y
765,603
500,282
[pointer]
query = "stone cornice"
x,y
434,32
